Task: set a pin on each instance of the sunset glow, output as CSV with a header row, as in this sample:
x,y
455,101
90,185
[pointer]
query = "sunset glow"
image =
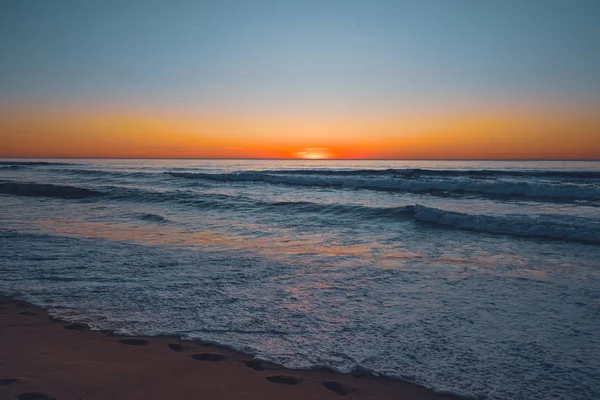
x,y
377,83
458,135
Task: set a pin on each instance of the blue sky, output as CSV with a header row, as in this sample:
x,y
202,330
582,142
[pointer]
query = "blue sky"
x,y
375,55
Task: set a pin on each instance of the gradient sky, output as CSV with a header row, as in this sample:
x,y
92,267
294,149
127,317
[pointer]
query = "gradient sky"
x,y
329,78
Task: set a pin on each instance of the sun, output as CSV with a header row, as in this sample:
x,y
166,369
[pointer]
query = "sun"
x,y
313,153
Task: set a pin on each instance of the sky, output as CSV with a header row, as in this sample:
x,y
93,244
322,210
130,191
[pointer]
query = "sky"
x,y
443,79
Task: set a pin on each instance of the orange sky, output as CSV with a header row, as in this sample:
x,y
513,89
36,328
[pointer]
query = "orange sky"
x,y
447,135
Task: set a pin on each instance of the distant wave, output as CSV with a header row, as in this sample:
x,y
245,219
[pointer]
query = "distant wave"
x,y
97,172
46,190
33,163
417,172
12,167
406,173
493,188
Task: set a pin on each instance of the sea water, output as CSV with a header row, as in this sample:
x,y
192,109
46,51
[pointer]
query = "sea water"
x,y
477,278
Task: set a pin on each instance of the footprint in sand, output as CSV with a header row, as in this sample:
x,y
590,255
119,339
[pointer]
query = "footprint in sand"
x,y
176,347
208,357
8,381
255,365
76,327
135,342
284,379
336,387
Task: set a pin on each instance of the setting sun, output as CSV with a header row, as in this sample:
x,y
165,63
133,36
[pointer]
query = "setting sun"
x,y
313,153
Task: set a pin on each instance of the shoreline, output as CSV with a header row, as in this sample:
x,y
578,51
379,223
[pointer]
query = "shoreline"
x,y
63,360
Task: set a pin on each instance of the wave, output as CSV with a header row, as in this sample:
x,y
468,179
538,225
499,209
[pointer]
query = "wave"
x,y
125,194
574,186
149,217
406,173
417,172
46,190
97,172
547,226
495,188
347,210
195,199
540,226
33,163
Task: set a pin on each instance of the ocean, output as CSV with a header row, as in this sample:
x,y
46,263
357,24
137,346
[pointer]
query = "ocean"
x,y
476,278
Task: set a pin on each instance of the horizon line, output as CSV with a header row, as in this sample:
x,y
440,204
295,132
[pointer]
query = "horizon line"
x,y
302,159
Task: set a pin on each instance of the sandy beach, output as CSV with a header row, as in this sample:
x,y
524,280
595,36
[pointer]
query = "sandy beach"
x,y
41,357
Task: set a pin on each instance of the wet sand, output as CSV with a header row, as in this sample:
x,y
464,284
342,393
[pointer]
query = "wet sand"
x,y
39,355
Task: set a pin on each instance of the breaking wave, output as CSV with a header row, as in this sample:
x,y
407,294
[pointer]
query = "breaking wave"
x,y
549,226
46,190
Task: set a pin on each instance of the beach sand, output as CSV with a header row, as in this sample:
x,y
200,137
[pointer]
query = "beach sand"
x,y
69,361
